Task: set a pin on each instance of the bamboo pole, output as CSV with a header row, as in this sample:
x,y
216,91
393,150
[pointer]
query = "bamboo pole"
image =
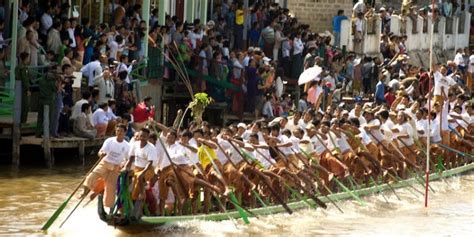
x,y
427,170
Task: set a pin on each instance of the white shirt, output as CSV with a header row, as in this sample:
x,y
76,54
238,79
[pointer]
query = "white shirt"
x,y
435,134
124,67
193,37
319,147
110,114
471,64
359,23
342,143
225,146
70,32
306,144
99,117
143,154
291,125
297,46
387,129
284,140
116,152
375,132
114,47
405,129
92,70
177,153
46,23
76,109
296,144
442,81
361,118
265,162
459,60
422,125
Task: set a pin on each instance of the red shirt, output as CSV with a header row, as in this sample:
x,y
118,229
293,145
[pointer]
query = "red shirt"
x,y
389,98
141,113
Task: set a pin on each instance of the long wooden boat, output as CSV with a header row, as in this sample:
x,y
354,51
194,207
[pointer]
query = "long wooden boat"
x,y
157,220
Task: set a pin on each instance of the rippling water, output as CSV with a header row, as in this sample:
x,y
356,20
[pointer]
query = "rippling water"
x,y
28,197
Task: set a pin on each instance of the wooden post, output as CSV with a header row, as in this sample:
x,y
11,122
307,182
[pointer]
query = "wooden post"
x,y
14,42
138,89
159,104
46,139
16,134
82,147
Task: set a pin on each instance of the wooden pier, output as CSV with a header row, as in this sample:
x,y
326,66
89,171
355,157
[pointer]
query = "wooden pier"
x,y
24,134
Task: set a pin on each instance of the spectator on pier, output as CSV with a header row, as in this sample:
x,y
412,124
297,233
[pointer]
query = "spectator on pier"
x,y
48,90
111,117
23,74
143,112
82,124
77,108
100,119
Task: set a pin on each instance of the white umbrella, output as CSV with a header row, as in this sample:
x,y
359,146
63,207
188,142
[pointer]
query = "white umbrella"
x,y
310,74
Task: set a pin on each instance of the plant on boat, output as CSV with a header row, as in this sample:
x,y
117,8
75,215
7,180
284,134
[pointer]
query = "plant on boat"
x,y
198,105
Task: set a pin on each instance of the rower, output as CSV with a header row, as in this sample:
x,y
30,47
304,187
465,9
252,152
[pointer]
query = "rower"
x,y
403,133
113,153
143,156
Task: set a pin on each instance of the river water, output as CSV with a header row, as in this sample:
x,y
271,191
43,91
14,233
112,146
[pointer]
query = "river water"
x,y
29,196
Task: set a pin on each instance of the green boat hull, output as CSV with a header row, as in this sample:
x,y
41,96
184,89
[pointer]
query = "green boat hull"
x,y
157,220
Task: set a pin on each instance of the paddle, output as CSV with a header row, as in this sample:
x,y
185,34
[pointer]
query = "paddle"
x,y
308,166
173,167
307,191
340,184
232,197
274,193
58,211
396,158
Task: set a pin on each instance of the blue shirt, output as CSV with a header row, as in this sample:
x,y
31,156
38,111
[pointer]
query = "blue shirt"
x,y
379,91
336,23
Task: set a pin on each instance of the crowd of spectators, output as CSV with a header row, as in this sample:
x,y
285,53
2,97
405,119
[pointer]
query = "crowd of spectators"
x,y
262,67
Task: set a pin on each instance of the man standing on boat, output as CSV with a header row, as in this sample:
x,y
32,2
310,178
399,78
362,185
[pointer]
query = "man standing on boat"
x,y
113,152
144,158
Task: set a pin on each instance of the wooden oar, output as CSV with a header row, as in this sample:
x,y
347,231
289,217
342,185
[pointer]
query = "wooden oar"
x,y
414,165
231,194
273,192
173,167
337,181
70,213
307,191
58,211
285,184
393,157
309,167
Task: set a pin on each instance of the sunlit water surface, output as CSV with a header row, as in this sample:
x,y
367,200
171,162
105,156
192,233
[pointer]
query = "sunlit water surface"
x,y
29,196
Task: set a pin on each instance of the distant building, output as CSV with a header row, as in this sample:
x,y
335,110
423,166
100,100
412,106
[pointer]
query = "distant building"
x,y
319,13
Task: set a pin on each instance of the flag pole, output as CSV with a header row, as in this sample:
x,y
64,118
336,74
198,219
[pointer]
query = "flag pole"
x,y
428,145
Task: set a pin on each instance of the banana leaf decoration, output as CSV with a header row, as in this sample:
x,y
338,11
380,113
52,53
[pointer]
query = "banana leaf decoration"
x,y
198,106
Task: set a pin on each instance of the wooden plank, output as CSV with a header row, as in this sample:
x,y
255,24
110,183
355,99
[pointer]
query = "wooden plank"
x,y
7,121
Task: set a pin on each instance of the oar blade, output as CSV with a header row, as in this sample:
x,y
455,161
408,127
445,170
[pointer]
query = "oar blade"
x,y
239,209
55,216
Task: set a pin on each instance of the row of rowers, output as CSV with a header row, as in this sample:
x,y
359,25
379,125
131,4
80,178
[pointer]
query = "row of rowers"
x,y
358,143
